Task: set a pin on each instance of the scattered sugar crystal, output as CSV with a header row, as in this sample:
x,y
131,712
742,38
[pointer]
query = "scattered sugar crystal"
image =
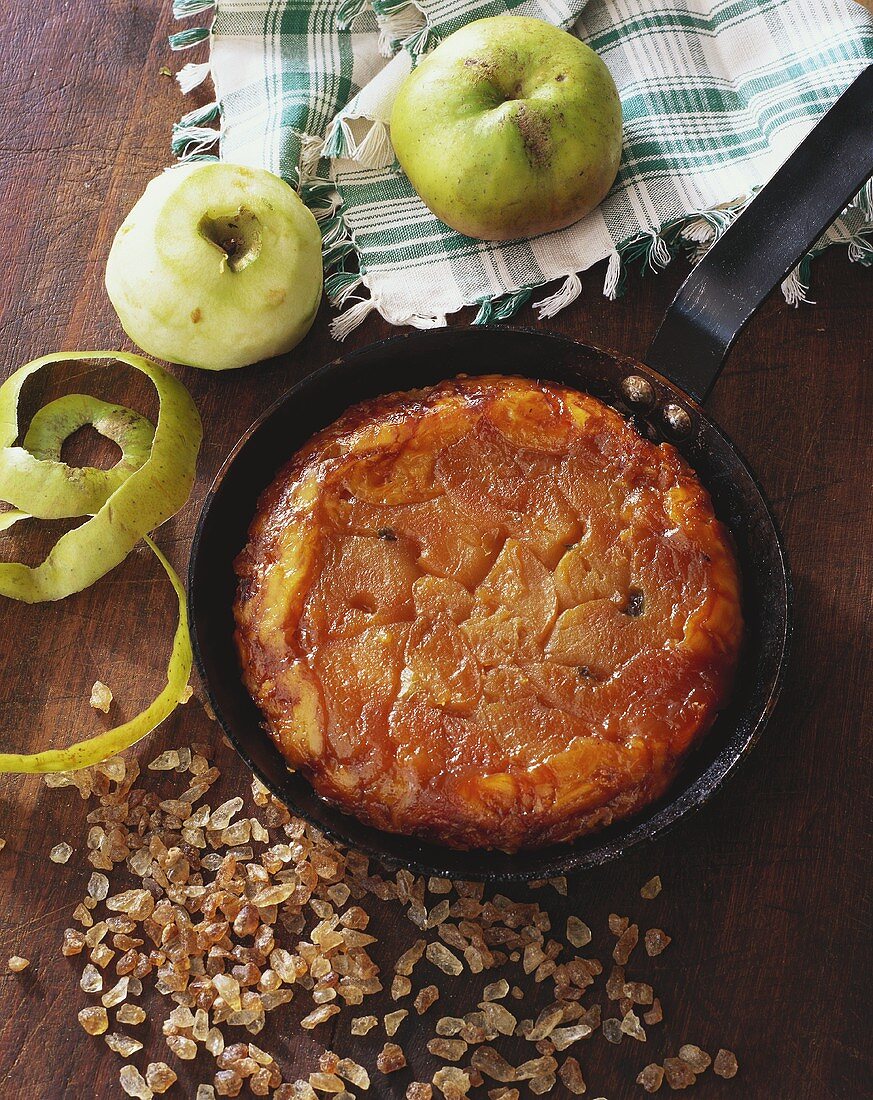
x,y
393,1021
91,980
60,853
475,959
612,1030
159,1076
571,1075
102,955
133,1083
117,993
81,914
400,987
94,1020
221,816
496,991
101,697
180,1018
326,1082
630,1025
578,933
200,1027
678,1073
492,1063
114,768
214,1041
425,998
182,1047
533,956
450,1050
362,1024
238,833
698,1059
17,963
651,889
654,1015
130,1014
639,992
390,1059
96,933
650,1077
498,1018
406,962
591,1017
228,989
536,1067
273,895
542,1084
452,1082
141,862
205,1092
354,1073
656,940
327,1063
98,886
438,914
318,1016
124,1045
418,1090
563,1037
339,893
444,959
228,1082
725,1064
167,761
617,924
138,904
73,943
449,1025
626,943
58,779
546,1022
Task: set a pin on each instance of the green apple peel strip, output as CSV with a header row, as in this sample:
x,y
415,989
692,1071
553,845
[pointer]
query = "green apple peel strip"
x,y
150,482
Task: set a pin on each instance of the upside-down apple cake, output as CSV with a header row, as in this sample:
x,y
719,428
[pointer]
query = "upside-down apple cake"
x,y
487,613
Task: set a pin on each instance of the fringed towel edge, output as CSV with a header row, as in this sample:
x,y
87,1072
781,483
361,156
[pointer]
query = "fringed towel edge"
x,y
692,235
193,136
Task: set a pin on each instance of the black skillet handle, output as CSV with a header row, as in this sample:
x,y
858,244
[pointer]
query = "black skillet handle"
x,y
815,184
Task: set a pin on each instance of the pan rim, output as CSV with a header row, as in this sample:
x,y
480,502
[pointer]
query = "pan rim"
x,y
428,857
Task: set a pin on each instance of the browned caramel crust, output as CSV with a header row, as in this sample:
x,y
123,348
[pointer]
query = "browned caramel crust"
x,y
488,613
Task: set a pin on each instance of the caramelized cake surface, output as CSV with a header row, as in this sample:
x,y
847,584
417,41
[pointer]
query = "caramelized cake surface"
x,y
488,613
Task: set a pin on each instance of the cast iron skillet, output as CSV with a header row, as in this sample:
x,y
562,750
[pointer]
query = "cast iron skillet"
x,y
662,398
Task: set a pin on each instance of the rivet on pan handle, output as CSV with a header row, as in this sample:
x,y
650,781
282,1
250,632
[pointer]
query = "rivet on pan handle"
x,y
775,231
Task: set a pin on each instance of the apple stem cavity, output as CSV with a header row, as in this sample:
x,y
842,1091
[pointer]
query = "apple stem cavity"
x,y
237,236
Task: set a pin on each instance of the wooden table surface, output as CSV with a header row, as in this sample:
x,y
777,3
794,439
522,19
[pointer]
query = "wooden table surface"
x,y
764,891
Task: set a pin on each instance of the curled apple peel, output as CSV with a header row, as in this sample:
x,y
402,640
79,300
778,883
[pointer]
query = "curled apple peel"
x,y
149,483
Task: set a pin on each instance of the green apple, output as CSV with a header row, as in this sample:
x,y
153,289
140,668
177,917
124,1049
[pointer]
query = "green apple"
x,y
511,127
217,266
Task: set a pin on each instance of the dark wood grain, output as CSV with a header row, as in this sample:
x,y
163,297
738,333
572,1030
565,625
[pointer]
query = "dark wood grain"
x,y
764,890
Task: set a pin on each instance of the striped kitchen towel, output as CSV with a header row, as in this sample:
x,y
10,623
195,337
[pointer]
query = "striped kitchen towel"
x,y
715,95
